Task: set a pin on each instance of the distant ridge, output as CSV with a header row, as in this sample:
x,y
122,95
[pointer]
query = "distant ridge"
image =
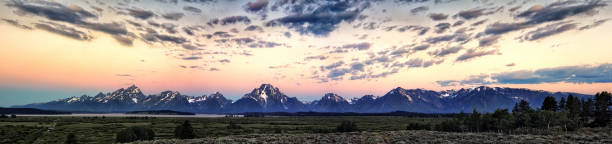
x,y
267,98
29,111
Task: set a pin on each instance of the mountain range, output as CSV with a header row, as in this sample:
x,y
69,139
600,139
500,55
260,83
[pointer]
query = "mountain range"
x,y
267,98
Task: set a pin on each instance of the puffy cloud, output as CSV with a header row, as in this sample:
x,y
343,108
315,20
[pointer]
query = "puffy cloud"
x,y
253,28
224,61
358,46
16,24
319,57
192,9
571,74
457,37
419,9
256,6
334,65
64,31
192,58
481,79
559,11
441,27
487,41
173,16
473,53
445,51
230,20
472,13
53,11
549,30
540,14
594,24
321,20
438,16
140,13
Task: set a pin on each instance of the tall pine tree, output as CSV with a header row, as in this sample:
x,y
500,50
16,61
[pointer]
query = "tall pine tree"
x,y
549,104
562,104
601,113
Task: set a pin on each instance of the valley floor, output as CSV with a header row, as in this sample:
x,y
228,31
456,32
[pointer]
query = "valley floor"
x,y
417,137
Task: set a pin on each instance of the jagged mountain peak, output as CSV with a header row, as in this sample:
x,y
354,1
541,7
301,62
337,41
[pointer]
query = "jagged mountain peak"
x,y
332,97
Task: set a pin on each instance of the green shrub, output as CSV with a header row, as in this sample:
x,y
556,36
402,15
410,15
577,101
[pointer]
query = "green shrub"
x,y
135,133
70,139
418,126
347,126
184,131
233,125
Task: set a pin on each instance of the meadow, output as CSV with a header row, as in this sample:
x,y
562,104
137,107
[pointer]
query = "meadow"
x,y
103,129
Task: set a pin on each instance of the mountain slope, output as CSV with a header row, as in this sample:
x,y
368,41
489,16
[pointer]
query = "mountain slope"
x,y
267,98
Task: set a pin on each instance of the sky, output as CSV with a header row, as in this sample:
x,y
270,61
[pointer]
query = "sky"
x,y
62,48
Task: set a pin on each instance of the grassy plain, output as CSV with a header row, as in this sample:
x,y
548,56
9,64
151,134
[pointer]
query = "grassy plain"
x,y
374,129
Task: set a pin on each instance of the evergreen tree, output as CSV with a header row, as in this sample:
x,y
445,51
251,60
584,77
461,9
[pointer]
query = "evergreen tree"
x,y
522,107
586,111
549,104
475,121
184,131
601,113
70,139
572,106
562,104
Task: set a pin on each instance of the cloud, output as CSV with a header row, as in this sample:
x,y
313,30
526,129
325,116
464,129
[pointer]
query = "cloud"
x,y
321,20
123,75
256,6
358,46
549,30
173,16
559,11
445,51
192,58
230,20
441,27
190,47
421,29
140,13
473,53
319,57
53,11
153,36
487,41
457,37
17,24
334,65
419,9
192,9
594,24
539,14
481,79
472,13
570,74
224,61
438,16
253,28
357,66
63,30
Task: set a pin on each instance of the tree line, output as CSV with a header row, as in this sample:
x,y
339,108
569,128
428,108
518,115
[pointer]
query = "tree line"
x,y
568,114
